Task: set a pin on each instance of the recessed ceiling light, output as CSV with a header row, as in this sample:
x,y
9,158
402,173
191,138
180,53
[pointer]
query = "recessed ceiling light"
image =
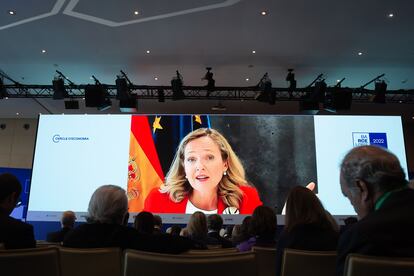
x,y
359,53
148,51
390,15
155,78
263,13
17,113
43,51
338,80
136,12
6,98
254,52
247,79
11,12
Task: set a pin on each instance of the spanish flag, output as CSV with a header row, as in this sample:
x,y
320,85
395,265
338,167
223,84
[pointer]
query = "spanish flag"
x,y
144,169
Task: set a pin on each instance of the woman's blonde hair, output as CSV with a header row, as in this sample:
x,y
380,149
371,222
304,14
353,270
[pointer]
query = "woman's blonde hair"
x,y
177,186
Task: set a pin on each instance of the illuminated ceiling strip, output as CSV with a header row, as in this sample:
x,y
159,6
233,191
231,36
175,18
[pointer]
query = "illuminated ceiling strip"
x,y
72,4
55,10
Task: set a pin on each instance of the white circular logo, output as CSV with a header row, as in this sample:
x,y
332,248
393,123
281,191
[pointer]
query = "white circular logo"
x,y
231,211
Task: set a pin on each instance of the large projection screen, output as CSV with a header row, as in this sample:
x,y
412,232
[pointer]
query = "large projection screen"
x,y
75,154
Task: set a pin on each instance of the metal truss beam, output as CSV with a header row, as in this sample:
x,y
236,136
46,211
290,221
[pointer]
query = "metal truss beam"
x,y
201,93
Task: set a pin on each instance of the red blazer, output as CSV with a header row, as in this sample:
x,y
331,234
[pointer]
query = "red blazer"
x,y
157,202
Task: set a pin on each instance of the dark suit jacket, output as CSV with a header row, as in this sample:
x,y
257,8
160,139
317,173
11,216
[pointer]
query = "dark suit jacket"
x,y
311,237
91,235
385,232
15,234
58,236
215,238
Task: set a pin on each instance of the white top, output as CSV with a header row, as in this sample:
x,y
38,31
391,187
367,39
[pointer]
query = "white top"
x,y
191,209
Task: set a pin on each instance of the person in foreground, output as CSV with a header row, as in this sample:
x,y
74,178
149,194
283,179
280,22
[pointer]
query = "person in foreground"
x,y
107,208
14,234
206,175
67,222
308,226
374,182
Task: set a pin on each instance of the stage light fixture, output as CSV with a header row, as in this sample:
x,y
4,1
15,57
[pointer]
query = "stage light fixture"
x,y
211,83
177,87
380,89
59,90
292,82
161,95
72,104
3,90
266,94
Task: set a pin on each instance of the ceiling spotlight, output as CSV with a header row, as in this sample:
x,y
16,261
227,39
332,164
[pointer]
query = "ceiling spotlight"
x,y
359,53
43,51
11,12
390,15
17,113
254,52
136,12
263,13
148,51
156,78
247,79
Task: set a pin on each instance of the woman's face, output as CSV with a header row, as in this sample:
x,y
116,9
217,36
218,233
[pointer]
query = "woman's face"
x,y
203,164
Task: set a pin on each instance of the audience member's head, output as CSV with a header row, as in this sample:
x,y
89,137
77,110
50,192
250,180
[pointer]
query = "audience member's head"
x,y
144,223
214,222
228,231
197,226
304,207
157,222
174,230
350,220
184,232
241,232
10,190
263,223
108,204
367,173
68,219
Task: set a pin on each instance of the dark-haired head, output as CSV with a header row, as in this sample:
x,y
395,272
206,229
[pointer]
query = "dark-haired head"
x,y
304,207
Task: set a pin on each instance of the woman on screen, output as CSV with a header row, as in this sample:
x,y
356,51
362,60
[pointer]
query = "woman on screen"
x,y
205,175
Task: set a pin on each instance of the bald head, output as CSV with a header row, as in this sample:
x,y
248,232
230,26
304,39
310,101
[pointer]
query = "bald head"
x,y
377,167
68,219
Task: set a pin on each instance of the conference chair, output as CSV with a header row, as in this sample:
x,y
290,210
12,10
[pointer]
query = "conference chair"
x,y
360,265
266,260
33,261
90,261
217,251
301,262
154,264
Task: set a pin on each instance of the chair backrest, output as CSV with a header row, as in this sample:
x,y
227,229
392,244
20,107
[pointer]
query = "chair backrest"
x,y
90,261
300,262
217,251
144,263
33,261
266,260
356,265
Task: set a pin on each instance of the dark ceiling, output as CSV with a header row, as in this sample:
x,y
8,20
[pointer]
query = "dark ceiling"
x,y
96,37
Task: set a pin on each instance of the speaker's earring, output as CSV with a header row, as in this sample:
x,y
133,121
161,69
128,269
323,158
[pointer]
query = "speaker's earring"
x,y
225,173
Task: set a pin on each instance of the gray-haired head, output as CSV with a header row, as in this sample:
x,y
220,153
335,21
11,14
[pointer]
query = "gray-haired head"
x,y
68,219
377,167
108,204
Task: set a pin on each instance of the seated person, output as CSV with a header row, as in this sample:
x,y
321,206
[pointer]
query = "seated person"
x,y
375,184
240,232
197,229
307,225
157,225
214,225
206,175
144,223
14,234
262,229
106,211
67,222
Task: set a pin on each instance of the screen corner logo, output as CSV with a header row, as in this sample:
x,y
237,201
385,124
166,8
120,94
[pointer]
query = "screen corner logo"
x,y
57,138
369,138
